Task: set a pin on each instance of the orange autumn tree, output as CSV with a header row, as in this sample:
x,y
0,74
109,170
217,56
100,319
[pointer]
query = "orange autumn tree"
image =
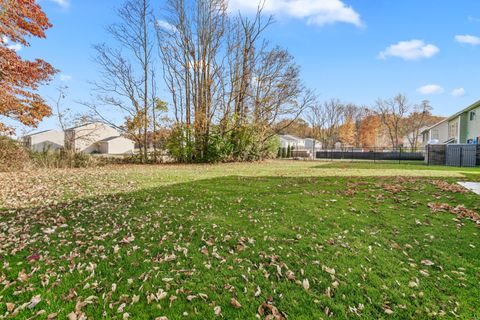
x,y
19,79
347,133
369,128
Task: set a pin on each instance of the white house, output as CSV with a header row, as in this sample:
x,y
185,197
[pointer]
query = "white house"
x,y
98,138
44,140
311,144
116,145
292,141
89,138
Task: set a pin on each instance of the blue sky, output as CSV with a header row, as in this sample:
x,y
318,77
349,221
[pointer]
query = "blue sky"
x,y
354,50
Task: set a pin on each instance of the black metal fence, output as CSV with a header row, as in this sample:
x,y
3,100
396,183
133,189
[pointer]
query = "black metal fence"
x,y
372,154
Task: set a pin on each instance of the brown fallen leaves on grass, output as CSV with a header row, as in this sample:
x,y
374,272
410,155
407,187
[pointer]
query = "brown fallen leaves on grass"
x,y
460,211
49,187
452,187
268,311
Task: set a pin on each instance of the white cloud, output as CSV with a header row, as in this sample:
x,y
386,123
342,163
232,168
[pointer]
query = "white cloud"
x,y
473,19
162,24
430,89
63,3
15,47
410,50
459,92
317,12
64,77
468,39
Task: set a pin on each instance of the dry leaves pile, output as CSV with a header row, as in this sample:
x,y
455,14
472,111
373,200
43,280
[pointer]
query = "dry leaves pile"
x,y
460,211
449,187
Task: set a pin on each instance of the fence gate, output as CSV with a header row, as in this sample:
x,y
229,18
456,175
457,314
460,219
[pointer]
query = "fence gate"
x,y
461,155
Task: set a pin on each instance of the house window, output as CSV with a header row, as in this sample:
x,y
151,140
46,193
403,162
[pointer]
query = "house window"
x,y
473,115
453,129
435,134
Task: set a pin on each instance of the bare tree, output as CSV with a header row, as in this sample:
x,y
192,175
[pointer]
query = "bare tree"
x,y
191,50
326,119
416,121
223,76
61,112
245,50
127,78
392,113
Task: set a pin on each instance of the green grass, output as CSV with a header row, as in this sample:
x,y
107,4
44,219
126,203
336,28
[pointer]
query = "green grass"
x,y
254,232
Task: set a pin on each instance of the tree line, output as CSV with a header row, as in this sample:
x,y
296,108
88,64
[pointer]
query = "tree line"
x,y
390,123
229,91
227,85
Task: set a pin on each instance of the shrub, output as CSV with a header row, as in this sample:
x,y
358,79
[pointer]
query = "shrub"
x,y
220,148
180,144
13,156
62,158
241,144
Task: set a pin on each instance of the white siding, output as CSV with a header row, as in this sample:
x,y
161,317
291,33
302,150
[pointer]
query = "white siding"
x,y
119,145
43,141
86,138
310,143
292,141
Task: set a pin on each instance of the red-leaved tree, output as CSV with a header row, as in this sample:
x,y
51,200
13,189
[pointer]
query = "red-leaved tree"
x,y
19,79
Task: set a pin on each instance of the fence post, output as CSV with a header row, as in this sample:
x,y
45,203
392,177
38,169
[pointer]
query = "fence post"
x,y
461,156
400,156
427,154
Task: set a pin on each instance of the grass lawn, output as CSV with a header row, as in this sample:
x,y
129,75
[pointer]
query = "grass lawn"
x,y
303,240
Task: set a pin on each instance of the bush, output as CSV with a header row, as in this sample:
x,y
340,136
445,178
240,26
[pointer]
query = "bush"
x,y
242,144
62,158
220,148
13,156
180,144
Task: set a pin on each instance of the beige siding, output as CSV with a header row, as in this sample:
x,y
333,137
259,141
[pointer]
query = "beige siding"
x,y
49,140
118,145
438,132
86,138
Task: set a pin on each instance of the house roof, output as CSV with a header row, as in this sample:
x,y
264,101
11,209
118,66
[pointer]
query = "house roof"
x,y
436,124
114,138
84,125
290,137
467,109
40,132
109,139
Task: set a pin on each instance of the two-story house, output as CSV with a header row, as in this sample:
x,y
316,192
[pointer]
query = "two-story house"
x,y
461,128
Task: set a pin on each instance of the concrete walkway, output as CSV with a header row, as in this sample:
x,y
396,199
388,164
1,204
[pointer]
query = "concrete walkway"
x,y
472,186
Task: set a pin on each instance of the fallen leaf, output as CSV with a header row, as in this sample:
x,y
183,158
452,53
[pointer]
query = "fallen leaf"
x,y
306,284
235,303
